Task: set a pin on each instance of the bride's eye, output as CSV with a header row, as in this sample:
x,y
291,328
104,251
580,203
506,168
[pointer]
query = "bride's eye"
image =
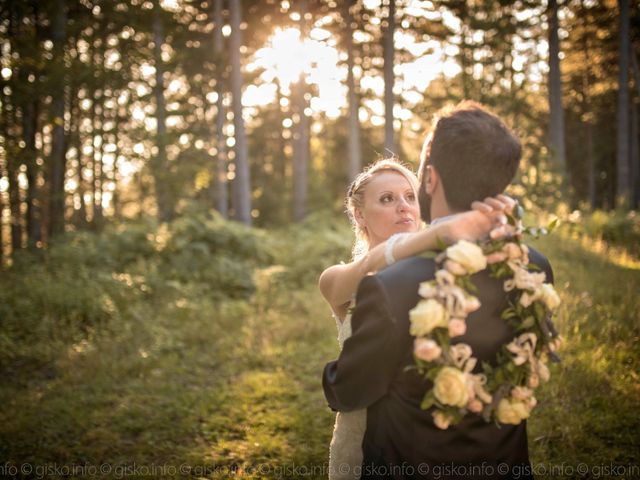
x,y
411,197
386,198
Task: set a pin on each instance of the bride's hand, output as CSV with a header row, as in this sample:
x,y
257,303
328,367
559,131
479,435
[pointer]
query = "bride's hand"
x,y
487,218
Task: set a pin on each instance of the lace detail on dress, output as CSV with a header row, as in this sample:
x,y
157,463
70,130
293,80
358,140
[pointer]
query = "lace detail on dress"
x,y
345,450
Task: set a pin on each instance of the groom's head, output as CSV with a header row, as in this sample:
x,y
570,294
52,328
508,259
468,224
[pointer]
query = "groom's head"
x,y
469,155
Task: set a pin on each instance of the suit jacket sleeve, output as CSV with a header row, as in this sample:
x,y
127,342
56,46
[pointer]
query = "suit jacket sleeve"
x,y
369,359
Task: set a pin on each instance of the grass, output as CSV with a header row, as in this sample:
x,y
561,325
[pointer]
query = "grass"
x,y
192,386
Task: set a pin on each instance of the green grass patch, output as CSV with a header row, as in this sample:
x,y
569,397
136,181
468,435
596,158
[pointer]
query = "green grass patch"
x,y
195,384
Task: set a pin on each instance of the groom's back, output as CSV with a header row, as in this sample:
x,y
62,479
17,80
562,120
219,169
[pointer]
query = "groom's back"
x,y
398,430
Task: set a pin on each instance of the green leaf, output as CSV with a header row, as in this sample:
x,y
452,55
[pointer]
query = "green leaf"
x,y
552,225
433,373
527,323
428,400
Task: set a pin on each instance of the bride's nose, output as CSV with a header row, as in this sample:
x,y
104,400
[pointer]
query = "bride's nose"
x,y
403,204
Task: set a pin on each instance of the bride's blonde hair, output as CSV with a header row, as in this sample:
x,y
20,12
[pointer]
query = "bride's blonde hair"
x,y
355,197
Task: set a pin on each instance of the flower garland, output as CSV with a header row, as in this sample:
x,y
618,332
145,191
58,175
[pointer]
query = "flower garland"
x,y
504,392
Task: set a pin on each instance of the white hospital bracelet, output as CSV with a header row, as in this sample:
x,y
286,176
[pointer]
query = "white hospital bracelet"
x,y
388,249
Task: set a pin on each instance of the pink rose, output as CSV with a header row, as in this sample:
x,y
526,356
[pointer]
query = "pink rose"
x,y
426,349
457,327
496,257
471,304
455,268
512,250
441,420
521,393
474,405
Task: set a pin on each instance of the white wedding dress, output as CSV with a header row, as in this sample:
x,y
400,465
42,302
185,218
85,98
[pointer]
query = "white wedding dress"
x,y
345,451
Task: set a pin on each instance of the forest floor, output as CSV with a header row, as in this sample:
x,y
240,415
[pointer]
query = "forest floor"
x,y
213,389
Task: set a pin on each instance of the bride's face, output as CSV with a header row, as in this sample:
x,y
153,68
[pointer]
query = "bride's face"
x,y
390,206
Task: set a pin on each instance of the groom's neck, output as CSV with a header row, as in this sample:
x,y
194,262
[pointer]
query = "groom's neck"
x,y
440,211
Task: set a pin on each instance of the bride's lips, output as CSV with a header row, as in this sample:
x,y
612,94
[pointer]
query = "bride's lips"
x,y
405,221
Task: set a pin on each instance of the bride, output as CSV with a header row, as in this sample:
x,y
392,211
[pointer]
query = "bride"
x,y
382,204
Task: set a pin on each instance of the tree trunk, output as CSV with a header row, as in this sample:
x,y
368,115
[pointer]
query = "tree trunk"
x,y
160,166
556,123
635,133
388,53
58,147
29,127
301,135
635,158
241,184
586,114
355,152
13,172
300,152
220,186
622,157
280,167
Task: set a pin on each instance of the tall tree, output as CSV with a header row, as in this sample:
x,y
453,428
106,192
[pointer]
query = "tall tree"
x,y
160,166
622,156
389,53
58,148
242,183
220,170
301,133
355,152
556,112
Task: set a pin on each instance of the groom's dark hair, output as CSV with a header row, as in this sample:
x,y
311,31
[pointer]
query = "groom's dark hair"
x,y
473,151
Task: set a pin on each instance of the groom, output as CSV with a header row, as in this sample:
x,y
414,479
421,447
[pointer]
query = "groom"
x,y
470,155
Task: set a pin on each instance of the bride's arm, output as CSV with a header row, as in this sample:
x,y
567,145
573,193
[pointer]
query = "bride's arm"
x,y
338,283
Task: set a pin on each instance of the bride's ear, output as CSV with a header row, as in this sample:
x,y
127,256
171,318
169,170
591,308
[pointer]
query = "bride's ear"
x,y
359,218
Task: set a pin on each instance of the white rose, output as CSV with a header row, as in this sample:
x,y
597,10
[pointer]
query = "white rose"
x,y
427,290
427,315
512,411
526,280
543,372
426,349
450,387
444,277
549,296
469,255
527,298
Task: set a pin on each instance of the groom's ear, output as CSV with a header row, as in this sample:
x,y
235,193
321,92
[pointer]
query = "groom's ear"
x,y
431,179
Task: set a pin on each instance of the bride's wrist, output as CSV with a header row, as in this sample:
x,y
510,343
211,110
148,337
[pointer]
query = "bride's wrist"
x,y
444,232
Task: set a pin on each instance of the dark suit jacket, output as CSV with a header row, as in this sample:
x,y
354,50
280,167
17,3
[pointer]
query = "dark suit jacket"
x,y
401,440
